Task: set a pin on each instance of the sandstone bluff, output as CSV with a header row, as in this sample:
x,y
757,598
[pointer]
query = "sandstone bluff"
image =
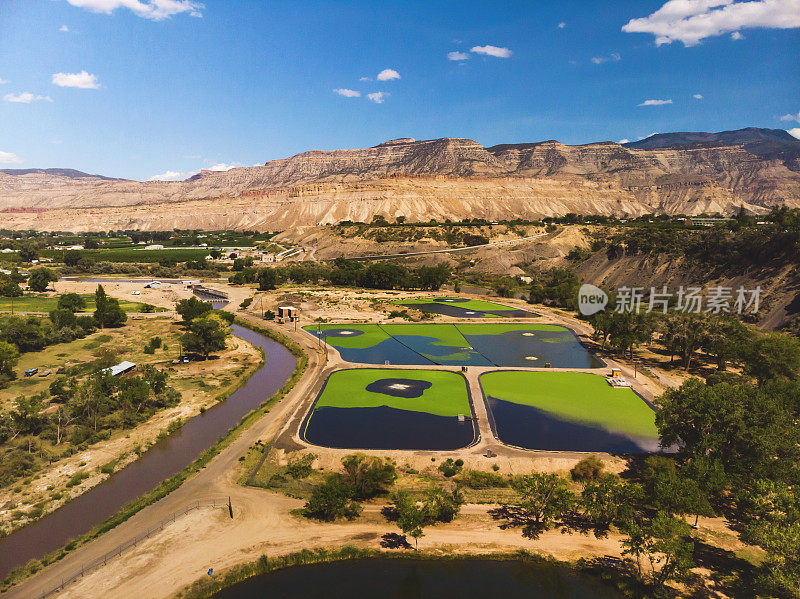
x,y
441,178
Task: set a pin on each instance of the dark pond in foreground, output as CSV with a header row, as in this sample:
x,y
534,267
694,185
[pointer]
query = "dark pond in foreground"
x,y
422,579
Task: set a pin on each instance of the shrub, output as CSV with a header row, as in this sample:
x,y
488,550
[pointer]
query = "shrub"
x,y
450,467
588,469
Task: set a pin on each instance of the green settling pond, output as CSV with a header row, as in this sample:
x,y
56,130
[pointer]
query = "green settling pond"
x,y
465,308
478,344
567,411
379,408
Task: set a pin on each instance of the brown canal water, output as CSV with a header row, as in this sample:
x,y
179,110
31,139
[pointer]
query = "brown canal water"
x,y
165,459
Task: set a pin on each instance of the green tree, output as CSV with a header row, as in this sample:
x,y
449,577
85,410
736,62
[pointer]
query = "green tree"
x,y
367,476
192,308
29,251
440,505
662,544
332,500
40,278
267,279
73,302
108,312
774,356
205,336
607,500
544,498
670,491
9,357
410,516
62,318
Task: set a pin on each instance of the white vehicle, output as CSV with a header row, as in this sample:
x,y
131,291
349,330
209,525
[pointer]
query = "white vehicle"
x,y
136,292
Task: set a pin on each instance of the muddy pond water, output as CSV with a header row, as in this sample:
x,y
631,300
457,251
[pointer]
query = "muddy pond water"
x,y
394,578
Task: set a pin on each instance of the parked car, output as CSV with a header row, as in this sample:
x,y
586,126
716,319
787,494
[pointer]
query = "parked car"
x,y
31,371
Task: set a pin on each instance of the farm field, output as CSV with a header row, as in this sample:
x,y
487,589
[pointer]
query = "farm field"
x,y
39,302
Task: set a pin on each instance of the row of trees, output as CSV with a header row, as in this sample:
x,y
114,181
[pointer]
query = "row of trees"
x,y
347,273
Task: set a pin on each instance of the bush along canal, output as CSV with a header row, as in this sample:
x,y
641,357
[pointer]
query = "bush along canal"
x,y
377,408
166,458
404,578
567,411
485,344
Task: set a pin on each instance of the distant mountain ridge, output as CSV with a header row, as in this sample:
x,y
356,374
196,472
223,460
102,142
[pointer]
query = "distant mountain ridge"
x,y
447,178
765,143
69,173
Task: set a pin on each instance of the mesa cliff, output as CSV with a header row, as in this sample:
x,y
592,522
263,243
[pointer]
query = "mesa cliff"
x,y
442,178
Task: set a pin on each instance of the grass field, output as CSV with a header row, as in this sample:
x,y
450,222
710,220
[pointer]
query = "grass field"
x,y
446,397
575,397
133,254
34,302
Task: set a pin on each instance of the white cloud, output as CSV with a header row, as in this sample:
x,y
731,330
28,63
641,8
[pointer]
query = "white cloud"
x,y
9,158
613,57
646,136
624,141
457,56
172,176
691,21
561,25
791,117
377,97
364,79
26,98
2,81
221,166
82,80
794,132
156,10
736,36
495,51
388,75
63,28
655,102
698,96
347,93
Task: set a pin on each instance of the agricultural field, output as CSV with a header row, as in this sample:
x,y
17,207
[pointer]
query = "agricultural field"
x,y
378,408
568,411
44,303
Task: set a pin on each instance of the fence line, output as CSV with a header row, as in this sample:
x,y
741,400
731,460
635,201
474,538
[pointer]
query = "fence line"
x,y
117,551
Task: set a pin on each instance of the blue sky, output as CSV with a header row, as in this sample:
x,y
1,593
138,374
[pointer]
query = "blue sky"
x,y
138,88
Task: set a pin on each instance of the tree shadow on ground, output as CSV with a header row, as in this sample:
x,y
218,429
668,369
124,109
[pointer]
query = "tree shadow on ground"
x,y
393,540
730,574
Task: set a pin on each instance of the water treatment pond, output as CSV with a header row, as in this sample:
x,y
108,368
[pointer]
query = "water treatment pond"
x,y
397,578
468,344
461,307
378,408
567,411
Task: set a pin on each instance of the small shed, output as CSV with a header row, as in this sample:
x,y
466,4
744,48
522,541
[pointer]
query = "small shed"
x,y
121,368
288,313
